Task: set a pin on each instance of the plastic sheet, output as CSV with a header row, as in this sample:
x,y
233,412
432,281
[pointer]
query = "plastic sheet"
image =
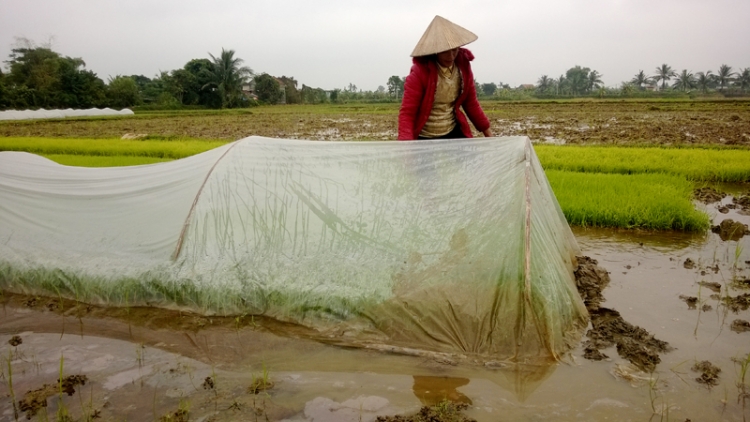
x,y
446,245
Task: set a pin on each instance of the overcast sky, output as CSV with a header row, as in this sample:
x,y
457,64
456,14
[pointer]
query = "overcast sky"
x,y
331,43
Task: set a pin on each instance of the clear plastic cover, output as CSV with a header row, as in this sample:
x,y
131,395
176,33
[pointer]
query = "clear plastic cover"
x,y
445,245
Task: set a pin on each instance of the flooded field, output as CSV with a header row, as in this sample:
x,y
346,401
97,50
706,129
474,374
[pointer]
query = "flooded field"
x,y
690,291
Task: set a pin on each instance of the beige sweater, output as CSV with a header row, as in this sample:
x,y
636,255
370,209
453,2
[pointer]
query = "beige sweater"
x,y
442,119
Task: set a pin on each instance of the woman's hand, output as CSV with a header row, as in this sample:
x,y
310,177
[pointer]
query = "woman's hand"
x,y
488,133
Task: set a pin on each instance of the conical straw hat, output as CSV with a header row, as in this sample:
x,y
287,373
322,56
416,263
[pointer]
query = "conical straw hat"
x,y
442,35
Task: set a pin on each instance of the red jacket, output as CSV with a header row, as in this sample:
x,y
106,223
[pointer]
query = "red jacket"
x,y
419,94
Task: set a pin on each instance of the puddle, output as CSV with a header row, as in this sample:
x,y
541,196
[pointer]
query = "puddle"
x,y
147,364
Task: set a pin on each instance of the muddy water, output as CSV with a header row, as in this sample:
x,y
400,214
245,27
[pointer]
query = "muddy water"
x,y
146,365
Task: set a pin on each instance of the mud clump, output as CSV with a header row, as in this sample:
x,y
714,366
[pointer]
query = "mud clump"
x,y
689,264
15,341
743,203
633,343
180,415
709,373
31,302
590,352
737,303
708,195
608,327
208,383
591,279
740,326
711,285
444,411
730,230
34,400
741,283
690,300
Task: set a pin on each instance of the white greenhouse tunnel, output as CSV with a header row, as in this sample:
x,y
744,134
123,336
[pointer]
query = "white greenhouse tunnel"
x,y
61,114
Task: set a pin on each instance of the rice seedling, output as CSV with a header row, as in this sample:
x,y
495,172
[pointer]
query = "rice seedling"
x,y
260,383
103,160
642,201
182,414
10,385
109,147
88,411
62,410
697,164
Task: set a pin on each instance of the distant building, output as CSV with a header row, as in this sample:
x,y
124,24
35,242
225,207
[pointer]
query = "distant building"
x,y
248,90
527,87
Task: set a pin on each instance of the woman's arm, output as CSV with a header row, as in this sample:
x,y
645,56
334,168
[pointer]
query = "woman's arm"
x,y
407,114
474,110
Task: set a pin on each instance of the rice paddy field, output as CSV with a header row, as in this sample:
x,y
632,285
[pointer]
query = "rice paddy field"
x,y
647,186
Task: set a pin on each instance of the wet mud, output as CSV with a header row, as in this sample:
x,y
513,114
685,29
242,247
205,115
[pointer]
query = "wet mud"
x,y
742,203
691,301
737,303
571,122
740,326
710,285
708,195
609,329
730,230
446,411
709,374
35,400
741,283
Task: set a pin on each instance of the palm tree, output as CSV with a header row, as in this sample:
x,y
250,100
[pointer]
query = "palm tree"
x,y
743,79
228,77
594,80
685,81
543,84
640,80
664,73
724,76
704,81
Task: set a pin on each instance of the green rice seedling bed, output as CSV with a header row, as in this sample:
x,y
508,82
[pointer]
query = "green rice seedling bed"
x,y
697,164
641,193
170,149
642,201
103,160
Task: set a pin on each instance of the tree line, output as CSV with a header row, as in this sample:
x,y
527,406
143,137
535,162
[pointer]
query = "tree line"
x,y
725,79
39,77
581,81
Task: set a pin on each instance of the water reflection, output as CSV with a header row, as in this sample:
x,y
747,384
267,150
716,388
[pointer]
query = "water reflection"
x,y
662,241
432,390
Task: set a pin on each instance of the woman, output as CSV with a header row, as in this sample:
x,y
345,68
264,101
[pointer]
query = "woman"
x,y
441,82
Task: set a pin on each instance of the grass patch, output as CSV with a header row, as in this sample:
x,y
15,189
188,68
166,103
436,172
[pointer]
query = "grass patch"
x,y
643,201
697,164
154,148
